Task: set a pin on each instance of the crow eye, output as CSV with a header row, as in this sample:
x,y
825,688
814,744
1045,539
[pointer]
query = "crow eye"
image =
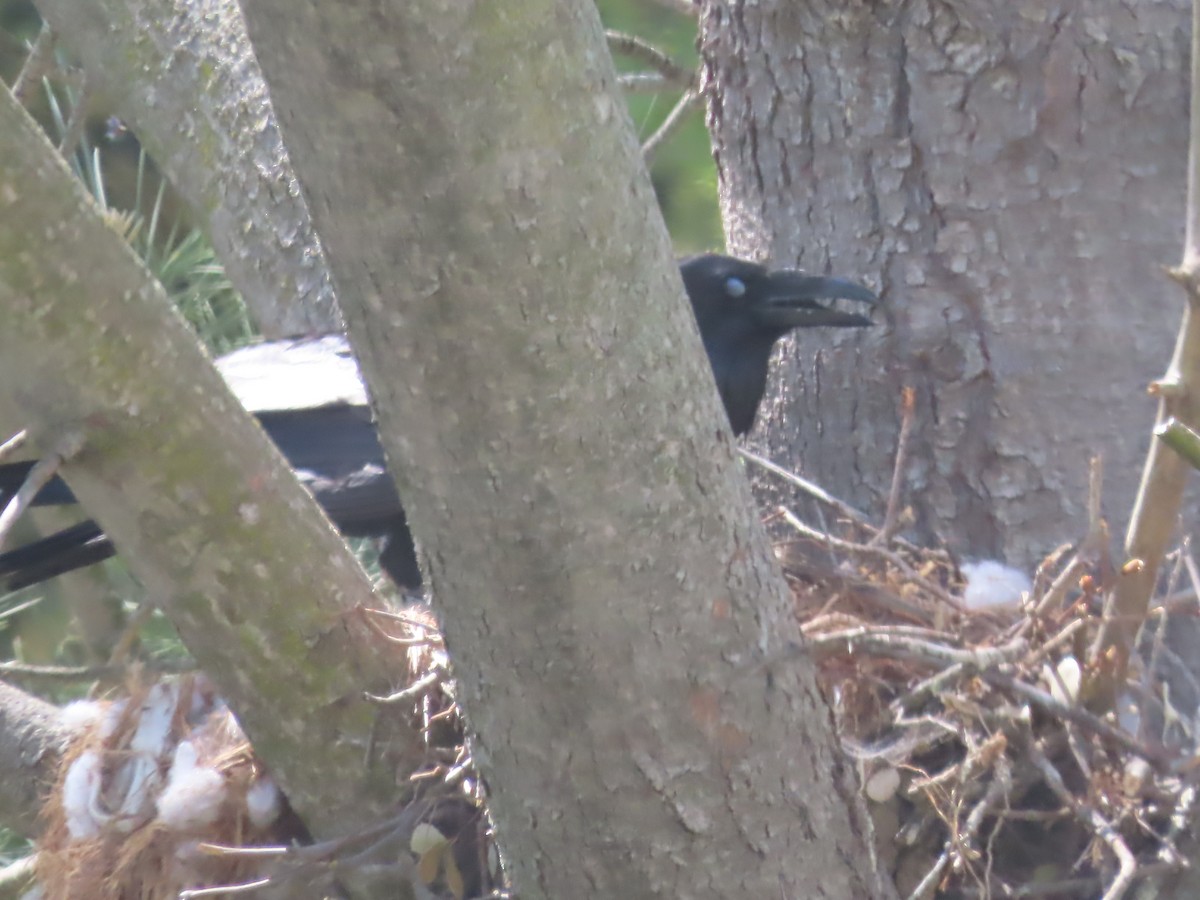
x,y
735,287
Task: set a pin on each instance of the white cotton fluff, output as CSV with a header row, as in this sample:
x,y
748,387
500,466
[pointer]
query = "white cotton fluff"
x,y
194,793
81,715
79,795
263,802
111,719
139,775
1065,680
991,583
152,736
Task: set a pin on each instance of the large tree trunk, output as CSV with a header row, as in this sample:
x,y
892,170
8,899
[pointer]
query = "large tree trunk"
x,y
1011,176
623,643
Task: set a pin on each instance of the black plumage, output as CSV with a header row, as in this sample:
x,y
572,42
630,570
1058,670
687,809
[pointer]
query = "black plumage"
x,y
308,396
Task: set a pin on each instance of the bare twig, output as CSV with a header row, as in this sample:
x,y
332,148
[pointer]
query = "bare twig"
x,y
886,642
891,519
1067,579
18,877
878,552
813,490
254,852
13,444
1095,495
671,73
928,687
1085,886
244,888
45,468
1183,440
12,611
409,693
11,669
1076,714
1090,818
996,794
673,120
1043,651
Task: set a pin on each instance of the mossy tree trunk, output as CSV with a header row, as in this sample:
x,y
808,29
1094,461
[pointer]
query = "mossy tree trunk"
x,y
624,645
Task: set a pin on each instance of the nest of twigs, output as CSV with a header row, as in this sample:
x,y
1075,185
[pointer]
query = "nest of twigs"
x,y
1001,755
161,796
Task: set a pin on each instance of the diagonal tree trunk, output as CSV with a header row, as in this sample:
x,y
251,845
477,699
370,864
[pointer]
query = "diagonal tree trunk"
x,y
261,589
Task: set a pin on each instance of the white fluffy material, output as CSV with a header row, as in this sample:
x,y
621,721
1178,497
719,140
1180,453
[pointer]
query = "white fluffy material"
x,y
194,793
81,715
111,719
1065,679
991,583
79,795
263,802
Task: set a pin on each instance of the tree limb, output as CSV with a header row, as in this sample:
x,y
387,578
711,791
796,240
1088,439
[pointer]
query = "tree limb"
x,y
184,77
203,507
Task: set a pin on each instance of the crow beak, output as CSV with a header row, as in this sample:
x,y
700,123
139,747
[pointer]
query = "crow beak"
x,y
792,300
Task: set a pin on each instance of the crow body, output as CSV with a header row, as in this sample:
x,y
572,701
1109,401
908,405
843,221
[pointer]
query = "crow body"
x,y
309,397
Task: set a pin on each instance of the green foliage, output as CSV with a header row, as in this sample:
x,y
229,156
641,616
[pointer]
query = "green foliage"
x,y
179,256
13,847
684,175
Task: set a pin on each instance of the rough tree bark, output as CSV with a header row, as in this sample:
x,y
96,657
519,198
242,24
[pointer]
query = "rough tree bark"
x,y
184,77
623,643
1011,176
32,740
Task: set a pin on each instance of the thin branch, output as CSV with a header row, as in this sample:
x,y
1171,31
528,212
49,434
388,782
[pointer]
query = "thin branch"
x,y
878,552
891,519
886,642
1090,818
1067,579
673,120
17,878
998,791
13,444
409,693
221,891
16,670
813,490
645,83
673,74
1076,714
39,476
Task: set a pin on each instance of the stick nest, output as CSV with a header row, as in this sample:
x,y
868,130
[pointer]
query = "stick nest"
x,y
999,757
